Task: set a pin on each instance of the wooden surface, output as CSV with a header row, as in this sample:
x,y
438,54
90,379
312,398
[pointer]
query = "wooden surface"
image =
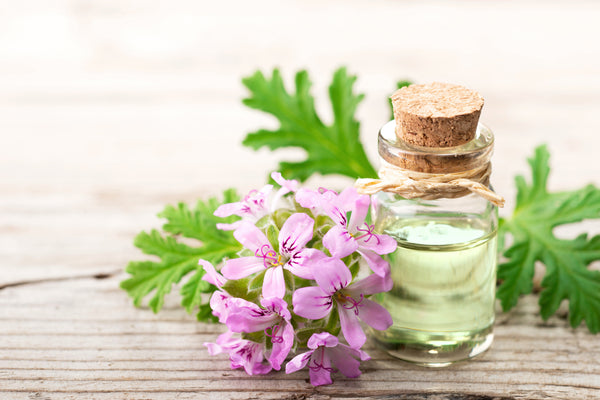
x,y
111,109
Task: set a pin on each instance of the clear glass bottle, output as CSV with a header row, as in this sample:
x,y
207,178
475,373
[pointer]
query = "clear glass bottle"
x,y
444,269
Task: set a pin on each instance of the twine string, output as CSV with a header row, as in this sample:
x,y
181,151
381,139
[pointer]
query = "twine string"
x,y
411,184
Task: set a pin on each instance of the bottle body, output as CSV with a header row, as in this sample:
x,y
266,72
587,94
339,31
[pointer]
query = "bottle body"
x,y
444,274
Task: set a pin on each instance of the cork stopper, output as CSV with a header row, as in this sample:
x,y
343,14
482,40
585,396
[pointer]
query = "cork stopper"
x,y
436,114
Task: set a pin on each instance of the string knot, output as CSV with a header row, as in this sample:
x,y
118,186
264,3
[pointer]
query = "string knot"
x,y
428,186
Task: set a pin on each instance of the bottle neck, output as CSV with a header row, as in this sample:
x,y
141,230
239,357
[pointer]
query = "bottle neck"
x,y
433,173
469,156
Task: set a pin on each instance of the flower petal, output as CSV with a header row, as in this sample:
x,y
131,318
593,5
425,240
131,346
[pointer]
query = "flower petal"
x,y
282,348
278,306
322,339
374,315
290,184
353,332
225,210
250,356
300,263
274,284
219,305
348,197
308,198
237,268
370,285
249,317
251,237
295,233
224,342
298,362
331,275
339,242
375,262
311,302
260,369
360,208
380,244
212,276
344,362
320,368
355,352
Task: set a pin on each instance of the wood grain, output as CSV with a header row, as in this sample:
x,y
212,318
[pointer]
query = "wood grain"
x,y
82,338
111,109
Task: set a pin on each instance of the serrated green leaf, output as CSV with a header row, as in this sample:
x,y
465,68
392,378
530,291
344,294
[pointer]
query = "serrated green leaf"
x,y
204,314
178,259
192,292
330,149
567,277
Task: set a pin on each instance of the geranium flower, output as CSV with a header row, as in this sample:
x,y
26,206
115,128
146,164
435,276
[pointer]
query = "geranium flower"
x,y
348,236
220,302
273,320
326,351
295,233
256,204
334,278
242,353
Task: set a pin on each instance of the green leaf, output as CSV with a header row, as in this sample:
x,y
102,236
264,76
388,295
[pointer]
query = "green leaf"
x,y
237,287
333,323
192,293
303,334
204,314
273,236
567,277
399,84
330,149
178,259
257,281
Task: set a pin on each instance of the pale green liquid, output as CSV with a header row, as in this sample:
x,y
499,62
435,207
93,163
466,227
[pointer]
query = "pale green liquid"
x,y
442,303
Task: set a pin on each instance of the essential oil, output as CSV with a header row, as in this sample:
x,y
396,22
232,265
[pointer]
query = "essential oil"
x,y
442,302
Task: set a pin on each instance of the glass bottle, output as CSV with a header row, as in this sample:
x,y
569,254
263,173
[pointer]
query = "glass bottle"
x,y
444,269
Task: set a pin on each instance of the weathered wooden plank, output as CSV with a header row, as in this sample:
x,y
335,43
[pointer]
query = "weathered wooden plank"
x,y
127,350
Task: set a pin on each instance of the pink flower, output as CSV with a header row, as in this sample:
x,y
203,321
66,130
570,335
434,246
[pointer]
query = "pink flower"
x,y
287,186
242,353
348,236
333,279
295,233
220,300
252,208
257,203
326,351
273,319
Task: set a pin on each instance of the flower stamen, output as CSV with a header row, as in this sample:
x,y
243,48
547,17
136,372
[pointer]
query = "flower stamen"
x,y
368,232
269,256
319,366
272,333
353,303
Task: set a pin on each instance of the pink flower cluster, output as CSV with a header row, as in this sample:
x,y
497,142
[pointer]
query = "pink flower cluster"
x,y
296,283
